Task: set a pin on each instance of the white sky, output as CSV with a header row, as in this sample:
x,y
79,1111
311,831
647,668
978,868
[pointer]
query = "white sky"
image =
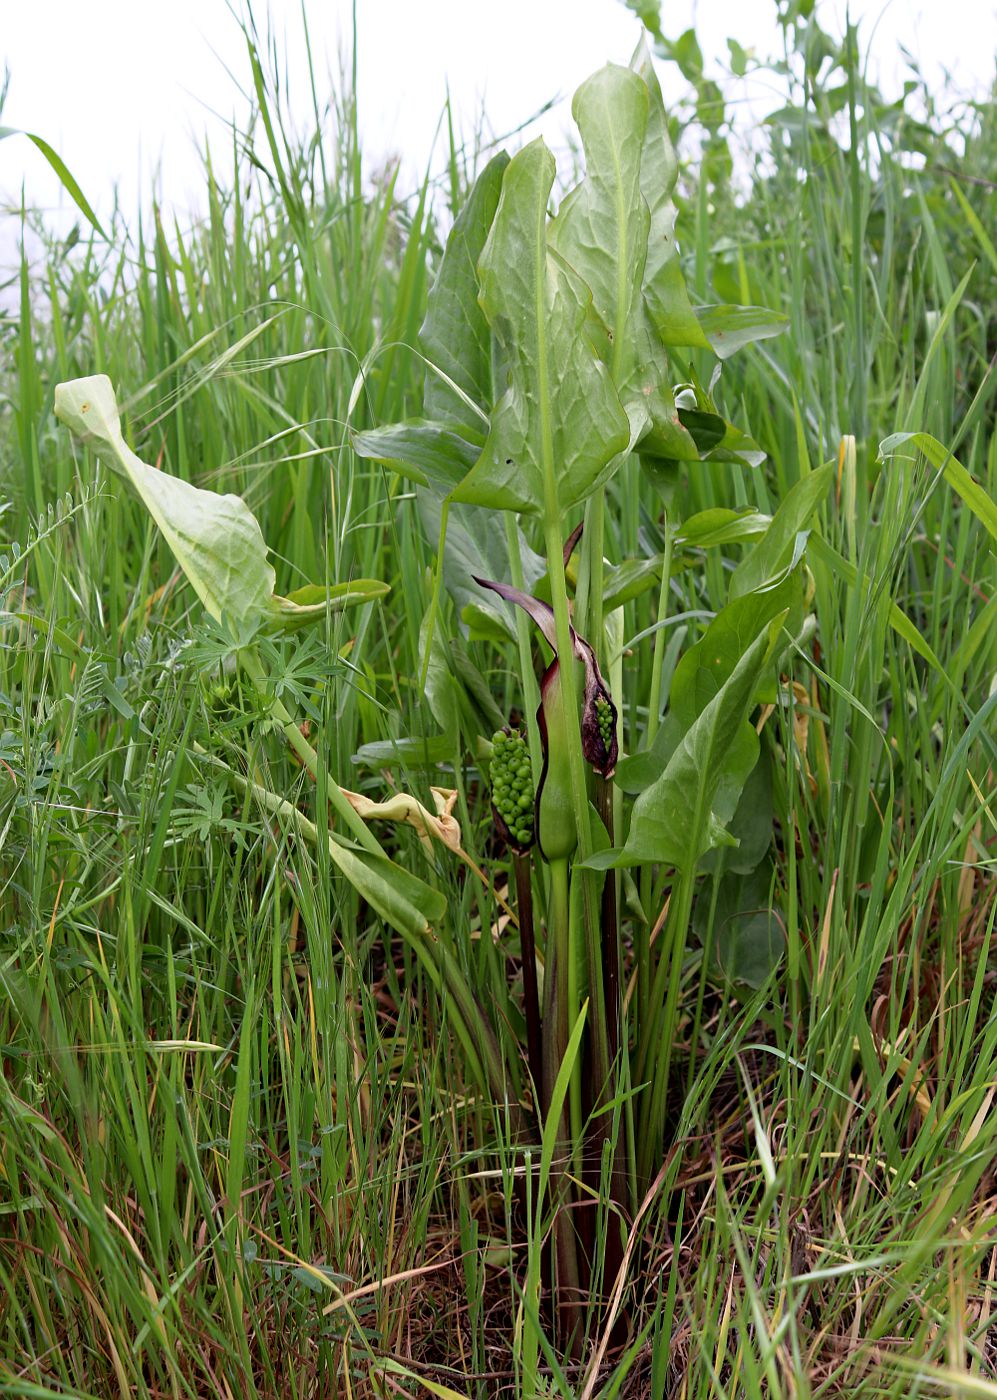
x,y
122,88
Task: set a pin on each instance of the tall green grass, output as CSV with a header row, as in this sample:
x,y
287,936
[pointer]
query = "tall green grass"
x,y
235,1155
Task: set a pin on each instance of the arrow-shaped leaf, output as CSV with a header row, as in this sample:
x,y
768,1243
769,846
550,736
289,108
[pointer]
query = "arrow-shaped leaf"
x,y
455,336
559,424
674,821
602,225
664,286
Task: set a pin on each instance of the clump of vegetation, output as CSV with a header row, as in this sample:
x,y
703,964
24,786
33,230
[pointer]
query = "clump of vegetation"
x,y
545,947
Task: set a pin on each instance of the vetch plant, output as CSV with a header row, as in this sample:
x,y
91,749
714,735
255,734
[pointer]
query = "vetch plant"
x,y
219,545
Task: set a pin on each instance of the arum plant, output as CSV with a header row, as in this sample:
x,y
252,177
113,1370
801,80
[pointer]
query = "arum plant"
x,y
558,363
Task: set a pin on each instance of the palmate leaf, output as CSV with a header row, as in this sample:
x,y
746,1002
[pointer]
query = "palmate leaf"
x,y
559,427
216,539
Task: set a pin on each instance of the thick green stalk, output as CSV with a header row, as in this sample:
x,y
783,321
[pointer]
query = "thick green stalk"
x,y
555,1014
658,656
569,681
522,866
557,1027
531,691
595,538
578,775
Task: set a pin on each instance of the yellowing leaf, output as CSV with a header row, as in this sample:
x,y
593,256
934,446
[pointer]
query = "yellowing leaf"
x,y
216,539
408,810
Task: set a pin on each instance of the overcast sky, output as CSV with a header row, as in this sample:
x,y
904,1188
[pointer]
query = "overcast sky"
x,y
122,88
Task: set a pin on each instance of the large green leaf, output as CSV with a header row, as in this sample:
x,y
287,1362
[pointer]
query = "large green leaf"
x,y
474,546
751,823
434,454
439,450
409,752
748,937
455,336
702,673
216,539
675,821
313,602
602,225
401,898
775,548
736,446
720,525
440,689
706,667
729,327
664,286
559,426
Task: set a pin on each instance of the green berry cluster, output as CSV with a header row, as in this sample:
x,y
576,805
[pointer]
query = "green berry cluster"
x,y
512,785
604,717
